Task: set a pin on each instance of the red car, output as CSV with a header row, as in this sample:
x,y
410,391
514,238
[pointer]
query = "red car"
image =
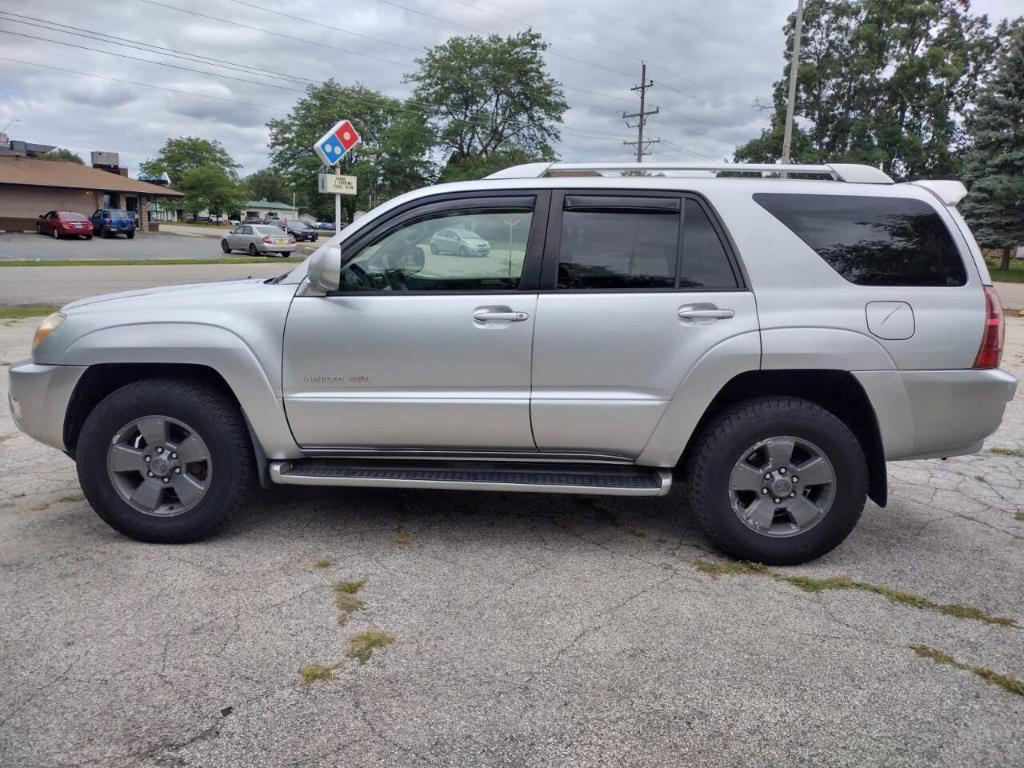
x,y
61,223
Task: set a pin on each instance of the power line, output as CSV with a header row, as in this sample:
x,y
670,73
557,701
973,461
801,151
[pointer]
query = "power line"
x,y
33,21
303,40
320,23
478,31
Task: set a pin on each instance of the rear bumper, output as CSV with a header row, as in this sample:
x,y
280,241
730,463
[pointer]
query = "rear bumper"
x,y
38,396
270,248
928,414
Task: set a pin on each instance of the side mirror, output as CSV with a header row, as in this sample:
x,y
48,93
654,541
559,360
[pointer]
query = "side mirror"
x,y
324,270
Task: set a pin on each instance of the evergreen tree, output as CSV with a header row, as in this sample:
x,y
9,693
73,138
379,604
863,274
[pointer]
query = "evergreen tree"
x,y
994,167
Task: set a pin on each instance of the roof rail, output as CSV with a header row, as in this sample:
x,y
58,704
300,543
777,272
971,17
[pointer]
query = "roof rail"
x,y
853,173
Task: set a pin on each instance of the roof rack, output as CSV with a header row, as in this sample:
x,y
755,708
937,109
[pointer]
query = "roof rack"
x,y
848,172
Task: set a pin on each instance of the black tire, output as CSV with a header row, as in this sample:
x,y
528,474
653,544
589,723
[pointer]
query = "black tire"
x,y
433,248
224,246
286,254
130,234
56,234
723,442
39,229
253,252
463,251
212,414
88,237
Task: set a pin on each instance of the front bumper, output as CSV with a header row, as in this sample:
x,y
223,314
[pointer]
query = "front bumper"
x,y
38,396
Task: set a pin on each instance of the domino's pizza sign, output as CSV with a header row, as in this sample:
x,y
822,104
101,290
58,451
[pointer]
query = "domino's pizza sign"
x,y
336,143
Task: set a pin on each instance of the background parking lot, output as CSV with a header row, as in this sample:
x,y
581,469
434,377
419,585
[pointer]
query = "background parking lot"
x,y
527,630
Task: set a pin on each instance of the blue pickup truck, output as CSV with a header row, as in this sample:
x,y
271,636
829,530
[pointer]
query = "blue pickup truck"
x,y
110,222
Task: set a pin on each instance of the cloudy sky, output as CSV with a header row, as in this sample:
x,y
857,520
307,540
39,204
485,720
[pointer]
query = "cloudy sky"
x,y
250,60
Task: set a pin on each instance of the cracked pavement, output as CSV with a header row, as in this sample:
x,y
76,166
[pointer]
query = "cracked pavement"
x,y
530,630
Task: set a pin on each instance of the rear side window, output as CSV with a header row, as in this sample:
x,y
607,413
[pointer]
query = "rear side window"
x,y
872,240
621,243
610,248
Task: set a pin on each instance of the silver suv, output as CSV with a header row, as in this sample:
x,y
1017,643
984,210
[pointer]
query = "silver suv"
x,y
769,337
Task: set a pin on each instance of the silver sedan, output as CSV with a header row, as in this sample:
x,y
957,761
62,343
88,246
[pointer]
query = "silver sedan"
x,y
258,240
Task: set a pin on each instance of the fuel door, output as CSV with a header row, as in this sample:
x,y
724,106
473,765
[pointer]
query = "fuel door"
x,y
892,320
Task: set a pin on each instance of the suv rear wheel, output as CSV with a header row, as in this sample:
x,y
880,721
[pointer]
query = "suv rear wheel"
x,y
165,460
778,481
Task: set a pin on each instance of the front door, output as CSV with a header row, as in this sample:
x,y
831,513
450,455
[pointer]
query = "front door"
x,y
422,348
636,289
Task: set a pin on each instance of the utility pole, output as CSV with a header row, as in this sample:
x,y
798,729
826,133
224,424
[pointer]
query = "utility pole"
x,y
641,116
794,64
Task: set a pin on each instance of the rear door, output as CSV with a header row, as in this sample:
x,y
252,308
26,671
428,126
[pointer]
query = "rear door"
x,y
636,289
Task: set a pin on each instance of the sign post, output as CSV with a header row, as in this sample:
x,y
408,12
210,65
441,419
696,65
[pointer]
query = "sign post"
x,y
331,147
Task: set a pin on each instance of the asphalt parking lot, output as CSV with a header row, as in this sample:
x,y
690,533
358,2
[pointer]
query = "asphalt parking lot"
x,y
527,630
159,245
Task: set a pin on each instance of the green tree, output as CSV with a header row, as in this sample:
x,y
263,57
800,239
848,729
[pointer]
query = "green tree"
x,y
994,166
63,155
212,189
883,82
489,96
267,184
187,153
393,157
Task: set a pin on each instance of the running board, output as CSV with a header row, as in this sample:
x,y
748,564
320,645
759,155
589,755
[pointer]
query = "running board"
x,y
485,476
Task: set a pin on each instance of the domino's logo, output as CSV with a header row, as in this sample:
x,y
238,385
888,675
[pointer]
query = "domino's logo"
x,y
336,143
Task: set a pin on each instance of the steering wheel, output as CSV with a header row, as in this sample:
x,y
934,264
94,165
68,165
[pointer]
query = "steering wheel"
x,y
362,278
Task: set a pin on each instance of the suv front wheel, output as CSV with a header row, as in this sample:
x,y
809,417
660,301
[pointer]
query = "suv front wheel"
x,y
165,460
777,480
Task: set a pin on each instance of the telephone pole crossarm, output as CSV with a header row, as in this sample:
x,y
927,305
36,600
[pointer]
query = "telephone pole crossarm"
x,y
642,146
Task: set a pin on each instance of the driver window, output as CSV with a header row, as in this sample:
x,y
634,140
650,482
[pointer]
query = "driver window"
x,y
453,251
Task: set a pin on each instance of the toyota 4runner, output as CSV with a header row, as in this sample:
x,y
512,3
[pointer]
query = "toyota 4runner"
x,y
768,336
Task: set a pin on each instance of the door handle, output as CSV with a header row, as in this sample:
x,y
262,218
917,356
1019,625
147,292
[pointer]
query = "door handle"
x,y
705,313
485,315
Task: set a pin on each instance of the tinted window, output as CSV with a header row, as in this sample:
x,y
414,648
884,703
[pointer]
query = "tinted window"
x,y
425,255
705,263
872,240
615,249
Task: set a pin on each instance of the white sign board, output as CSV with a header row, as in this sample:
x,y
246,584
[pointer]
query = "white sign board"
x,y
331,183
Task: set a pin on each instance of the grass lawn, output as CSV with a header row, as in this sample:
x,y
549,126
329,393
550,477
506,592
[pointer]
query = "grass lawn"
x,y
17,312
1015,275
136,262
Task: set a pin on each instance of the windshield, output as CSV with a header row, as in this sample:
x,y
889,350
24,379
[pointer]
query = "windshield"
x,y
71,216
269,230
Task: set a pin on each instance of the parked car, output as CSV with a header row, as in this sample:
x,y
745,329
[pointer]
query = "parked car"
x,y
301,231
772,342
64,224
325,226
258,240
110,222
460,242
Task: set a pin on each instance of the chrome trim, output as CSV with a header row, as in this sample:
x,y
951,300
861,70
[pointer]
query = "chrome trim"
x,y
326,452
279,470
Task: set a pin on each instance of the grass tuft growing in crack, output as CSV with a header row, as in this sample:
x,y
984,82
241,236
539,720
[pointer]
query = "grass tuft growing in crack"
x,y
1018,454
318,673
323,562
363,644
400,539
72,498
1019,516
813,585
1006,682
345,598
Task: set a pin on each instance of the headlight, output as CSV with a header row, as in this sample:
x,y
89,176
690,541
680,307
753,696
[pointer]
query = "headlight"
x,y
48,326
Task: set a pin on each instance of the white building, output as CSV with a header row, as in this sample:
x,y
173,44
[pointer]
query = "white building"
x,y
268,209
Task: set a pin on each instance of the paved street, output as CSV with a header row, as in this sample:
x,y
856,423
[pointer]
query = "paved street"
x,y
60,285
528,630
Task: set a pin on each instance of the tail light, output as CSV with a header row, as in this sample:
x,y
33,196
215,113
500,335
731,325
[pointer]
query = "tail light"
x,y
266,239
991,350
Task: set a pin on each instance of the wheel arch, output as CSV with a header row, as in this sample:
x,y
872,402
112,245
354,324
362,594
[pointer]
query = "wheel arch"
x,y
838,392
99,381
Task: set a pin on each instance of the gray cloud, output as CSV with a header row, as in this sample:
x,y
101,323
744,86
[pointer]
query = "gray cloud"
x,y
709,62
